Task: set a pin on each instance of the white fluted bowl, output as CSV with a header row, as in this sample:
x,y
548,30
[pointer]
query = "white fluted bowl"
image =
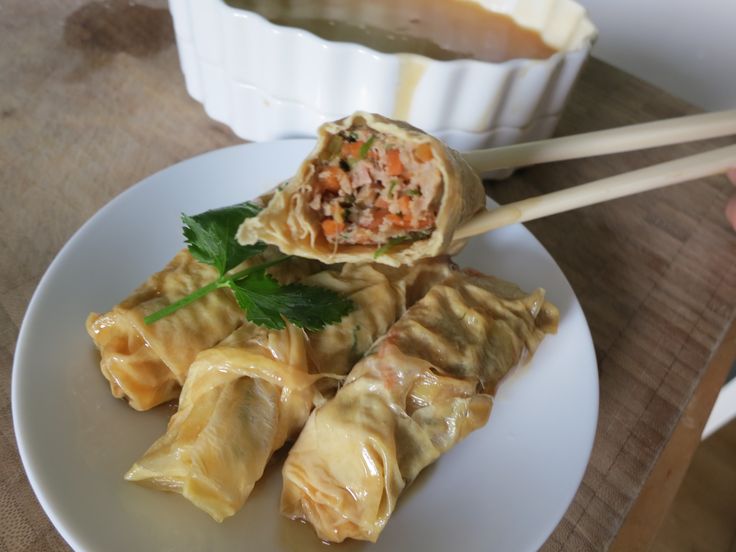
x,y
268,81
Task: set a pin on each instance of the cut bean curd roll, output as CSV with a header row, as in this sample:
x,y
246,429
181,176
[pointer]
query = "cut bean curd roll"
x,y
373,188
418,391
244,398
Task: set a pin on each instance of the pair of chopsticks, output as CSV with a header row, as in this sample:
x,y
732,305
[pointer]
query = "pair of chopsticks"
x,y
630,138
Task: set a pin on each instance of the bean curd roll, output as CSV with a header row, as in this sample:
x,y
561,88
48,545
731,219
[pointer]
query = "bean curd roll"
x,y
244,398
148,363
372,188
419,390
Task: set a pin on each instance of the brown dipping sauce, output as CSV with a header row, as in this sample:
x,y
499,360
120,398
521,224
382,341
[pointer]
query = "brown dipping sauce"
x,y
438,29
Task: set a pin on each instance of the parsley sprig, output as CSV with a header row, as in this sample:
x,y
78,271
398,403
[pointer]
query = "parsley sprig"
x,y
210,237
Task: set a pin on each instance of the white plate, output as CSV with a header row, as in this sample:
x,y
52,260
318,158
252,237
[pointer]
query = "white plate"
x,y
504,488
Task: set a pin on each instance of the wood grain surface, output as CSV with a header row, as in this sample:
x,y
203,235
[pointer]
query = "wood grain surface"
x,y
645,519
703,514
92,100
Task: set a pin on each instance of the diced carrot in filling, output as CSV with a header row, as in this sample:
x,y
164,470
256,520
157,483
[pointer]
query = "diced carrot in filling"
x,y
371,189
423,152
427,222
378,216
331,228
405,204
394,166
396,220
352,149
330,178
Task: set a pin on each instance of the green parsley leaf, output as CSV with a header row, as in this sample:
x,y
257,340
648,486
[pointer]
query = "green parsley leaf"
x,y
398,240
210,236
258,310
267,303
413,192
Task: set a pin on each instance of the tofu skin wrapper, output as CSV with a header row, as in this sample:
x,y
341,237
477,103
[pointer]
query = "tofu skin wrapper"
x,y
401,191
244,398
419,390
147,364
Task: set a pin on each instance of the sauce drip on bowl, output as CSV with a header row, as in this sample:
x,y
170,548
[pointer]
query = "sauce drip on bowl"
x,y
438,29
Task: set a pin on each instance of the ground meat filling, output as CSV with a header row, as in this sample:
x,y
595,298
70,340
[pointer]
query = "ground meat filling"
x,y
368,189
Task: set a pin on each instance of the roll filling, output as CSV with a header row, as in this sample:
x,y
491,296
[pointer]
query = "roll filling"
x,y
369,188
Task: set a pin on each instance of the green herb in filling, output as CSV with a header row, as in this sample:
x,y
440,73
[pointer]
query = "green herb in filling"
x,y
398,240
366,147
333,147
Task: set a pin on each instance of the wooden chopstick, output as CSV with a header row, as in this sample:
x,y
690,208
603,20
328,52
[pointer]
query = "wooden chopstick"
x,y
649,178
628,138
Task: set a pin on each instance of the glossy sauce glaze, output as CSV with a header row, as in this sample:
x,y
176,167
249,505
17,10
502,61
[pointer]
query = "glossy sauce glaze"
x,y
439,29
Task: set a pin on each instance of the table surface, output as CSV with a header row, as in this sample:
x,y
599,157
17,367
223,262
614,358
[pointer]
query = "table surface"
x,y
92,100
